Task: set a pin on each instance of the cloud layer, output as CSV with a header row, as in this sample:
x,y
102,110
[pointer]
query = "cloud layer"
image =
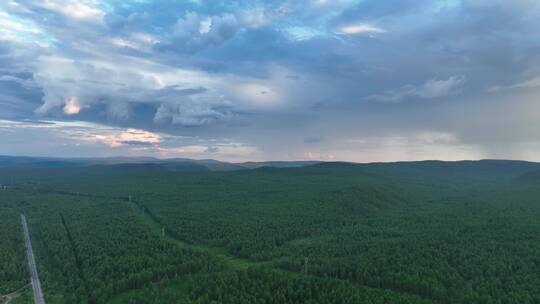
x,y
286,79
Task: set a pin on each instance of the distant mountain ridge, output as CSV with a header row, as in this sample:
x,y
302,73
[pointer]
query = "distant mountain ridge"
x,y
407,168
173,164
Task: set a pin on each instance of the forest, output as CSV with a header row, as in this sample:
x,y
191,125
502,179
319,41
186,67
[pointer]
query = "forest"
x,y
419,232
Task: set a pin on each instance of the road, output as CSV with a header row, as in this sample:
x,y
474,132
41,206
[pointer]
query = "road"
x,y
36,284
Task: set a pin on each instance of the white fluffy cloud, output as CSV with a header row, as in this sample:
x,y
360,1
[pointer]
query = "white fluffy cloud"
x,y
72,106
357,29
128,137
79,85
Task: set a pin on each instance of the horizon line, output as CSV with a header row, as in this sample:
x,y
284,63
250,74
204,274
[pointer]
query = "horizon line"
x,y
263,161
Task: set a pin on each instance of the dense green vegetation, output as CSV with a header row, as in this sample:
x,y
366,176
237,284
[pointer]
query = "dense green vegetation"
x,y
90,250
13,271
382,233
265,286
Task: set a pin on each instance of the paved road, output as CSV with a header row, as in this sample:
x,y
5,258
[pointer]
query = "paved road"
x,y
36,285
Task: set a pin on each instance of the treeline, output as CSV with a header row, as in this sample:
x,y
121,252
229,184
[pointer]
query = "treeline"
x,y
462,242
264,286
475,249
89,251
371,237
13,268
253,214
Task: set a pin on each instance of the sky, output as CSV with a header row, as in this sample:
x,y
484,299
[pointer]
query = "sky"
x,y
350,80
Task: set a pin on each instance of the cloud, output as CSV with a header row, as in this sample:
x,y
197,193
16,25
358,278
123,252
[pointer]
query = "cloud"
x,y
12,26
128,137
261,16
194,32
410,146
520,6
86,132
418,137
82,10
72,106
326,3
432,88
222,69
191,114
233,152
89,139
87,83
80,85
212,149
119,110
313,140
73,8
531,83
356,29
22,80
